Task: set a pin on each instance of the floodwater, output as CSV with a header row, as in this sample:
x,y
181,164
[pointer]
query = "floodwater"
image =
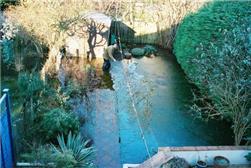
x,y
161,95
152,105
81,71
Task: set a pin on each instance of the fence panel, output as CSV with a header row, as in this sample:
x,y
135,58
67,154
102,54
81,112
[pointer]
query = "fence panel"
x,y
7,155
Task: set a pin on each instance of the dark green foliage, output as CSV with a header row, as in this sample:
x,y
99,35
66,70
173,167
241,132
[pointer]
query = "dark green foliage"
x,y
39,154
58,121
207,27
7,52
68,154
6,3
137,52
73,152
30,87
149,50
30,84
213,47
44,110
248,156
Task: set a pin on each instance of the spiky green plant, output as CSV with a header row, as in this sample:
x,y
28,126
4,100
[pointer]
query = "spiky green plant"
x,y
73,152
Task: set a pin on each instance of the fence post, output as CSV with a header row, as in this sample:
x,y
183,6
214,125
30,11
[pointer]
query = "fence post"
x,y
7,104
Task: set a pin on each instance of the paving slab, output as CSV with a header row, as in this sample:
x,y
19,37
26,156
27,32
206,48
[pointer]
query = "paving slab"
x,y
106,131
132,146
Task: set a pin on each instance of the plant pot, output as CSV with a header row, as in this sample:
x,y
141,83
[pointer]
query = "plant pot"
x,y
201,164
221,162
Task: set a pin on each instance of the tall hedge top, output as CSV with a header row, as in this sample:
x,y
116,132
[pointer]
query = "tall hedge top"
x,y
207,27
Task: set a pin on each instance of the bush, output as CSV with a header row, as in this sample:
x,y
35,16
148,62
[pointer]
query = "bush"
x,y
206,27
68,154
176,162
138,52
150,50
58,121
72,153
40,155
30,87
213,47
30,84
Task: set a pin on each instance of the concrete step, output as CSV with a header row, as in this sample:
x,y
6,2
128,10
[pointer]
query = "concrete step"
x,y
157,160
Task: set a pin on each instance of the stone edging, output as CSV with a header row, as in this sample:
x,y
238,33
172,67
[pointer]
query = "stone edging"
x,y
206,148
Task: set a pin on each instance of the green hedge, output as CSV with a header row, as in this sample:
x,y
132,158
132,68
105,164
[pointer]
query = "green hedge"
x,y
210,25
213,46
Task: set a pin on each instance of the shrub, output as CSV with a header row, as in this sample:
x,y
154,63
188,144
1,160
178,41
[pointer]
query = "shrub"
x,y
213,47
30,87
58,121
206,27
30,84
69,154
39,154
176,162
138,52
150,50
72,153
248,156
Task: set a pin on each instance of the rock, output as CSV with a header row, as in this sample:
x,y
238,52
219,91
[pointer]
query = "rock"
x,y
137,52
149,50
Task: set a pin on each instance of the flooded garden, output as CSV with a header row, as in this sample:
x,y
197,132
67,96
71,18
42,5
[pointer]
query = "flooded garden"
x,y
175,80
162,96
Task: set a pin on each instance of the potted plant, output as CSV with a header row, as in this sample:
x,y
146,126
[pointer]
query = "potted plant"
x,y
201,164
221,162
176,162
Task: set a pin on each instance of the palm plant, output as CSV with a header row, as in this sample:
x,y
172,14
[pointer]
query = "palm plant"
x,y
73,153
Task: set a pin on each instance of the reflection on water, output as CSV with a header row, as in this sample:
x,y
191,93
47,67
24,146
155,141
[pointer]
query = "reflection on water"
x,y
172,123
162,95
84,72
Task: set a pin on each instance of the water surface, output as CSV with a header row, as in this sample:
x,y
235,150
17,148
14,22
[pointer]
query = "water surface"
x,y
162,96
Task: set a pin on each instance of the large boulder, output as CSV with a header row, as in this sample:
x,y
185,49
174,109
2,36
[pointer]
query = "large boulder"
x,y
138,52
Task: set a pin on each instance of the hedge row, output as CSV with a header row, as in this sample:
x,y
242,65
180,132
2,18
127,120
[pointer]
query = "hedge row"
x,y
211,25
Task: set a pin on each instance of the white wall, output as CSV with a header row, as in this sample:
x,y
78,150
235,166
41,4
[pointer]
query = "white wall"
x,y
234,156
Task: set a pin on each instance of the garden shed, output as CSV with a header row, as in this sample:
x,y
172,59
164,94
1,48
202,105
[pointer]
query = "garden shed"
x,y
91,33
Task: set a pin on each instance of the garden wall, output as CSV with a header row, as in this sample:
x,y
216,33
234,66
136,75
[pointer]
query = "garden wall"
x,y
235,154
